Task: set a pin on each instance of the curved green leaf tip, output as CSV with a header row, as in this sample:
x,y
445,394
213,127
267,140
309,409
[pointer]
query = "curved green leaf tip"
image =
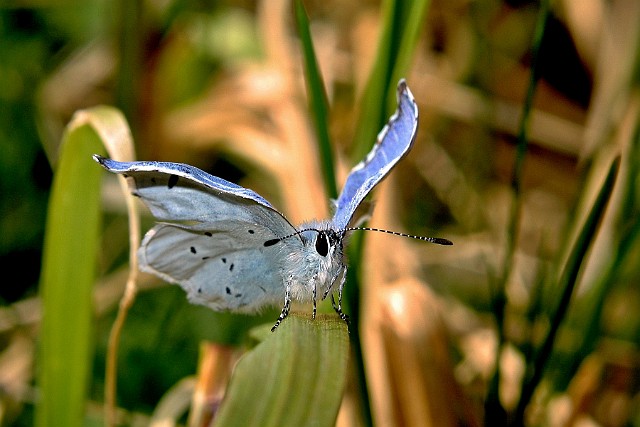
x,y
294,377
66,283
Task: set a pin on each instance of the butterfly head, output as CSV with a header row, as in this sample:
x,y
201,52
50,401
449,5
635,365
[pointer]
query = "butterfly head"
x,y
327,241
321,239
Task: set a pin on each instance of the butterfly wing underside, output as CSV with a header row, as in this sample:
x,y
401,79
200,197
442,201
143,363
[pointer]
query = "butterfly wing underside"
x,y
212,242
393,142
224,267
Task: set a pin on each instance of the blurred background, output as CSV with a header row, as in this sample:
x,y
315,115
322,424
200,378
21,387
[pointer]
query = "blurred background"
x,y
220,85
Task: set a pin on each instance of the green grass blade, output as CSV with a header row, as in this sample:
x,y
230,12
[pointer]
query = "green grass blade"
x,y
351,303
623,252
494,412
68,273
317,100
370,121
129,30
373,105
521,149
411,20
295,377
567,284
401,22
588,313
398,37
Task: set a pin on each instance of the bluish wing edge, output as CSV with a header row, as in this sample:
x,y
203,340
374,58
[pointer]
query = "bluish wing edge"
x,y
188,172
191,174
393,143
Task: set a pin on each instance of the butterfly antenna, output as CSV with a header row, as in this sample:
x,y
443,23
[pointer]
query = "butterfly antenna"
x,y
272,242
436,240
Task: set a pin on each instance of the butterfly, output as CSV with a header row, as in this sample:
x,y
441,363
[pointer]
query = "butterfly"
x,y
231,250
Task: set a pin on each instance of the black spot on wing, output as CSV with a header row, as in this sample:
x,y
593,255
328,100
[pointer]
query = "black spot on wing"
x,y
271,242
173,180
231,267
237,295
224,260
207,233
205,258
251,231
193,250
228,290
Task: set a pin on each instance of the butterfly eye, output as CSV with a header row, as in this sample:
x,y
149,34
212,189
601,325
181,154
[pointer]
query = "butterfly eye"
x,y
322,244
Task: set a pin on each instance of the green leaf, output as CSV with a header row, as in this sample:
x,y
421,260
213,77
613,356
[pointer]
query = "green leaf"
x,y
294,377
408,26
398,38
372,105
68,273
567,284
317,100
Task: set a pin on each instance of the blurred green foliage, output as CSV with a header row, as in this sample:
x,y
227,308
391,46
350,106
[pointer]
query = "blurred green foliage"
x,y
166,56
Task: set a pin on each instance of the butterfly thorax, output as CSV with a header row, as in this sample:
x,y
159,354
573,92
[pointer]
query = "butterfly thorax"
x,y
318,264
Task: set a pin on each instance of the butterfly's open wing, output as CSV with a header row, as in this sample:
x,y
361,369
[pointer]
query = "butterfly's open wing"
x,y
212,242
223,265
176,192
393,142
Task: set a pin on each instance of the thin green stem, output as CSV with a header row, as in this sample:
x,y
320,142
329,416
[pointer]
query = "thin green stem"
x,y
318,104
494,412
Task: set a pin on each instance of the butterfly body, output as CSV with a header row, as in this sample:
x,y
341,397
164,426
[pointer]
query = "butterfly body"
x,y
231,250
315,267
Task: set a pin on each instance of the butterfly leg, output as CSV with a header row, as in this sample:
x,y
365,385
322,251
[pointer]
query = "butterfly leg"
x,y
315,295
285,309
342,271
338,308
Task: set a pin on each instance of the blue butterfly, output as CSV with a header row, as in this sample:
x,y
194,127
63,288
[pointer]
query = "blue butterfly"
x,y
231,250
